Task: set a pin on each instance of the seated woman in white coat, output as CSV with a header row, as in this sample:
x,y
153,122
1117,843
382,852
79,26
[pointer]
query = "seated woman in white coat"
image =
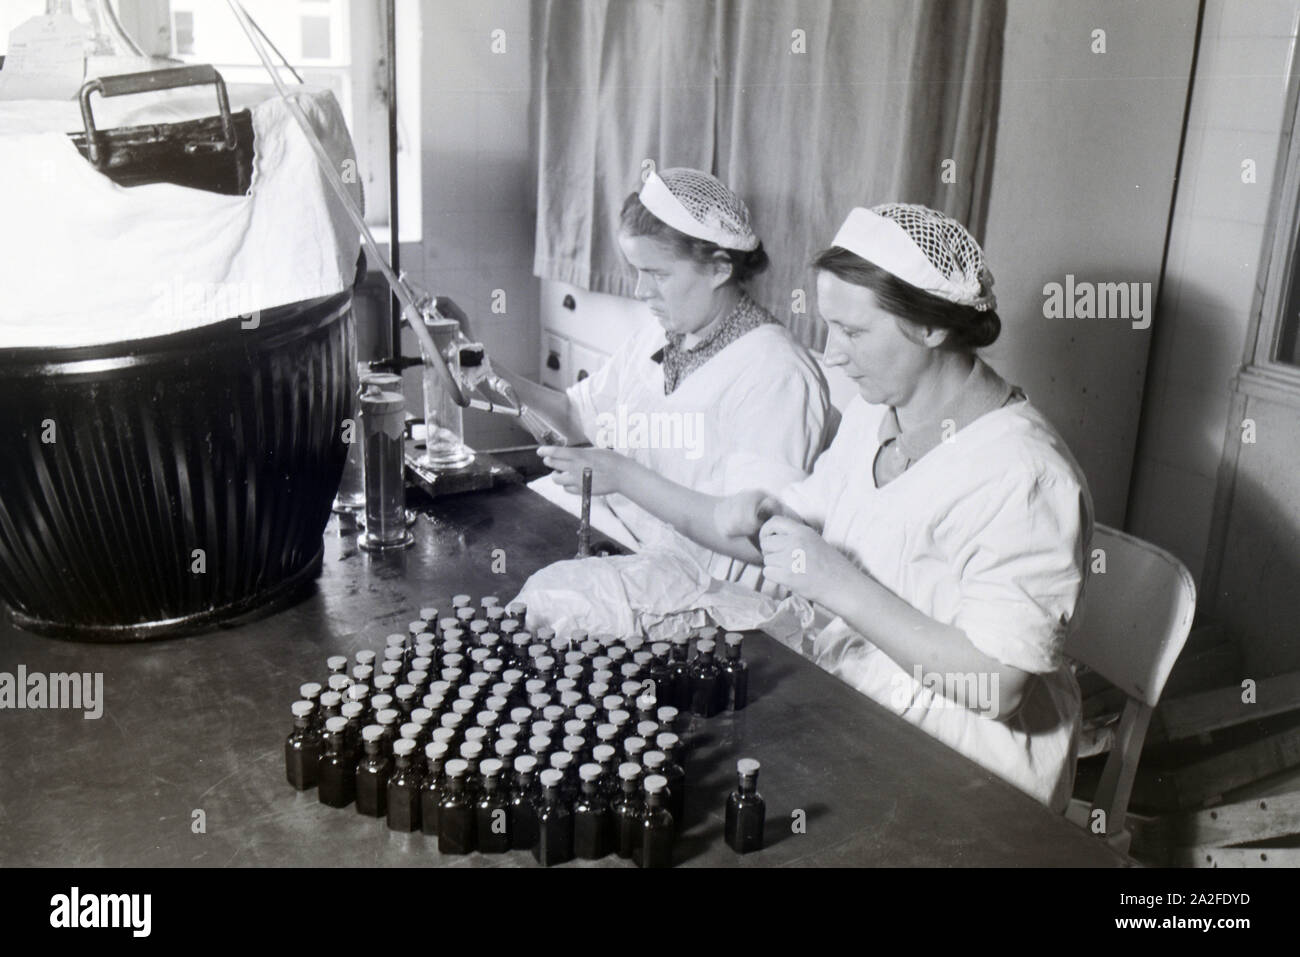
x,y
712,393
942,537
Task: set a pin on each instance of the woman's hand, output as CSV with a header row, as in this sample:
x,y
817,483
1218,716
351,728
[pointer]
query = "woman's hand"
x,y
795,556
743,514
607,467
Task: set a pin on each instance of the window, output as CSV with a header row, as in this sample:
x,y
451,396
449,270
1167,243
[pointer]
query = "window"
x,y
1274,361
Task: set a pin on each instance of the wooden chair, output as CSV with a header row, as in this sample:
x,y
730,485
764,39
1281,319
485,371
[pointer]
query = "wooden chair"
x,y
1134,620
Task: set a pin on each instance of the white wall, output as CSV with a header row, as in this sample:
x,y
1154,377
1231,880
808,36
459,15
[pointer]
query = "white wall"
x,y
1216,242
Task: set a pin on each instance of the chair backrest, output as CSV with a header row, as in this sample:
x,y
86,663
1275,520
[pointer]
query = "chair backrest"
x,y
1135,616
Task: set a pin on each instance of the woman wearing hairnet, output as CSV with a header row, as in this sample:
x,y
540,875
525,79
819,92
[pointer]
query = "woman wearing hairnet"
x,y
714,395
942,536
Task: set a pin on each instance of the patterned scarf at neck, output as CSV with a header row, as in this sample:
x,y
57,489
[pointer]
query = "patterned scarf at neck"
x,y
679,362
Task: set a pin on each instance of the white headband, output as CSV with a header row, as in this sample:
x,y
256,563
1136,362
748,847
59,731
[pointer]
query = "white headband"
x,y
664,204
882,241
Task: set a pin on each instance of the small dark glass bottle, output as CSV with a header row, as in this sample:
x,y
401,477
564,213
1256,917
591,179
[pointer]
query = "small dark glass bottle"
x,y
675,772
592,824
554,822
373,772
708,692
646,704
492,811
610,786
404,788
680,669
311,691
656,825
456,830
523,813
302,749
745,810
354,712
432,791
735,673
337,783
627,810
387,719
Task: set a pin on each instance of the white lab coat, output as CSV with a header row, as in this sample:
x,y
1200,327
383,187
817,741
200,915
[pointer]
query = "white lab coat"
x,y
755,415
987,532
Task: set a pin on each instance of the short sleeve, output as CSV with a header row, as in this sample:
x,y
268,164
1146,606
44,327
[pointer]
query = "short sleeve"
x,y
1021,565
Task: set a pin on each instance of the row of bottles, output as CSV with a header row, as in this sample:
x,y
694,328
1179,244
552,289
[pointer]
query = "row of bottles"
x,y
473,694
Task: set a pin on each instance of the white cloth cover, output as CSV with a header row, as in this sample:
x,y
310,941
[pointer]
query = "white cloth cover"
x,y
84,261
658,594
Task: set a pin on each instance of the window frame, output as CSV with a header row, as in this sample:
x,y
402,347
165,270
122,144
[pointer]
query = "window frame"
x,y
1264,374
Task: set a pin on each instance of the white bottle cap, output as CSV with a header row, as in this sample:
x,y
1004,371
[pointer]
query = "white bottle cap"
x,y
589,772
630,689
618,716
525,763
629,770
553,713
606,731
612,702
301,709
471,749
336,725
573,743
428,614
491,766
551,778
647,729
422,716
358,692
462,599
509,731
417,676
456,767
435,750
404,691
646,702
734,638
538,701
410,730
667,714
655,783
404,746
351,709
584,712
395,640
372,732
667,740
542,729
386,716
310,690
506,747
444,735
575,726
335,662
660,648
392,666
538,743
364,657
602,752
417,627
331,699
520,715
705,646
652,759
747,767
634,745
340,683
497,701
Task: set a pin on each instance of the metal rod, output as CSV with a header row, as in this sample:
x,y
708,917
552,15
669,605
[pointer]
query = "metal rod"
x,y
584,529
394,242
401,288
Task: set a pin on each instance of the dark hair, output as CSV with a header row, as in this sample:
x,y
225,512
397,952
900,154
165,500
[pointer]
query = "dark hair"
x,y
636,220
968,328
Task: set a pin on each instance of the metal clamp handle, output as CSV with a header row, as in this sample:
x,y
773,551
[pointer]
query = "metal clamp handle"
x,y
127,83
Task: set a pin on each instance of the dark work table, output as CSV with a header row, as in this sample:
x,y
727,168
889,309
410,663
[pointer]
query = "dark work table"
x,y
199,723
